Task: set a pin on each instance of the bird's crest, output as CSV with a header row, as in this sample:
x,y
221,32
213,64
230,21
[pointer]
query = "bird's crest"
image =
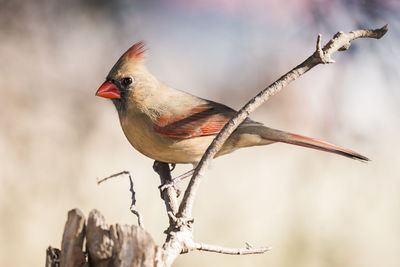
x,y
136,52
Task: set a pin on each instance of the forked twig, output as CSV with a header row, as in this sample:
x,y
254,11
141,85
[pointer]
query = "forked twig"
x,y
132,208
340,41
180,232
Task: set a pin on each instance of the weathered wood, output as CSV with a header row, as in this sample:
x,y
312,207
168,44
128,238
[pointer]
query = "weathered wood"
x,y
115,245
52,257
133,246
99,243
72,241
120,245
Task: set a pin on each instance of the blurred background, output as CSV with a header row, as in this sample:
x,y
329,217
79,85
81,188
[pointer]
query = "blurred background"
x,y
313,208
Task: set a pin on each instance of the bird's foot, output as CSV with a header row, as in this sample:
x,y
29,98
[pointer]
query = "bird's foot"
x,y
169,184
174,181
173,165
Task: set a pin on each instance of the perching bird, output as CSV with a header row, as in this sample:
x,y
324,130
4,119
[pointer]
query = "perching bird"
x,y
172,126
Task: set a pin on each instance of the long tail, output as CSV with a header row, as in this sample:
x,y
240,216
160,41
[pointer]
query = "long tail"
x,y
295,139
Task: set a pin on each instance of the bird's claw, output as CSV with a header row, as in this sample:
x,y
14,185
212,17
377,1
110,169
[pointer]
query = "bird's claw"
x,y
173,165
172,183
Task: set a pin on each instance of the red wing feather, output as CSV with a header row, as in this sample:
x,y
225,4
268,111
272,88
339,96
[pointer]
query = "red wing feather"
x,y
202,120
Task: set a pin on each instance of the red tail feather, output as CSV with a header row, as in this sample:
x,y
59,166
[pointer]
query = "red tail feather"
x,y
316,144
299,140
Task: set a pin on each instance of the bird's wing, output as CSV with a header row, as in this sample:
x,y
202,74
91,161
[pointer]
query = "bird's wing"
x,y
202,120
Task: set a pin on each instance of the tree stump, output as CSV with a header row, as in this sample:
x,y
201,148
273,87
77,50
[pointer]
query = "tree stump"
x,y
115,245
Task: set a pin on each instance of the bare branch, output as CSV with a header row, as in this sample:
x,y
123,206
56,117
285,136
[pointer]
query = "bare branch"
x,y
180,233
340,41
170,194
231,251
132,208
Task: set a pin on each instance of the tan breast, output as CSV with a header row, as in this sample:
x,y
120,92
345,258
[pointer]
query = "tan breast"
x,y
138,128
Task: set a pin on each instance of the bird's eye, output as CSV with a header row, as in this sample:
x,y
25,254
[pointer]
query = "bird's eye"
x,y
127,81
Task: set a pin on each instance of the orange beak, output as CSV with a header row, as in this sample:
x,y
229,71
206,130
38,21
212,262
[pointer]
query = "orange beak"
x,y
108,90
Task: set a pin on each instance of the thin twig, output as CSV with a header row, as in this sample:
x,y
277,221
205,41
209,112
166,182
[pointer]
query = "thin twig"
x,y
132,208
231,251
340,41
99,181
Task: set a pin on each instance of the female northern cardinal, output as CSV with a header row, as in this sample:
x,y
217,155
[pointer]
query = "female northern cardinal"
x,y
172,126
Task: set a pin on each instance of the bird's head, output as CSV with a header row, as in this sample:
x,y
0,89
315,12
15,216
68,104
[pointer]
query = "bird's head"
x,y
126,75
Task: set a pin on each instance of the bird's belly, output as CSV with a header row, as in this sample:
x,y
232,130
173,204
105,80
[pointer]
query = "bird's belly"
x,y
142,137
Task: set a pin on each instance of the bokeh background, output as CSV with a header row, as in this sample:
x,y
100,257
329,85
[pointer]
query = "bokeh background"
x,y
313,208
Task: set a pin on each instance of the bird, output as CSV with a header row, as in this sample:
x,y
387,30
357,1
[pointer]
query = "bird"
x,y
173,126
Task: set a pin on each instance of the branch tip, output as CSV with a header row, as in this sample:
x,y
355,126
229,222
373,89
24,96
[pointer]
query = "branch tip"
x,y
319,37
231,251
321,55
319,47
382,31
99,181
180,232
